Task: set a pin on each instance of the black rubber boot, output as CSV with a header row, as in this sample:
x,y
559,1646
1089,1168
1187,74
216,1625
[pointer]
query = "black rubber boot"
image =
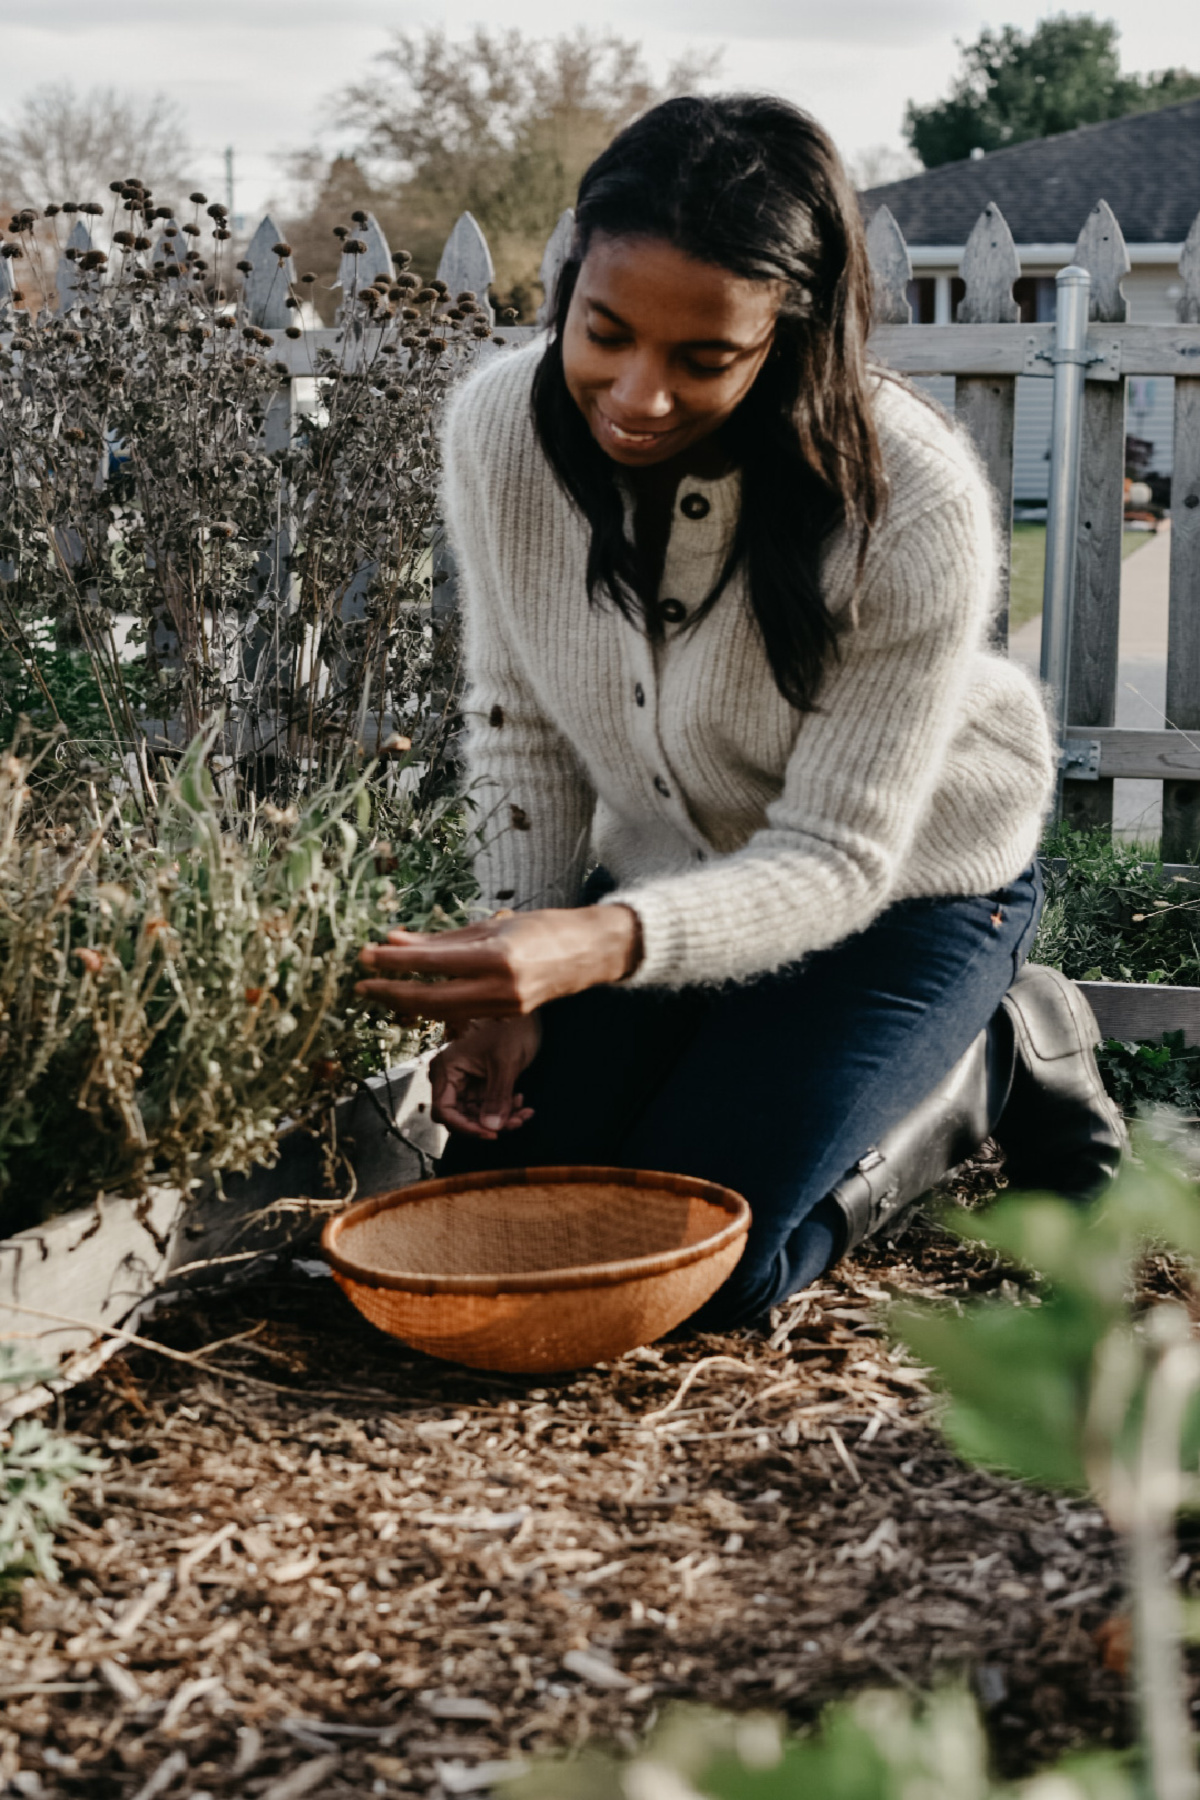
x,y
1031,1081
1059,1129
948,1126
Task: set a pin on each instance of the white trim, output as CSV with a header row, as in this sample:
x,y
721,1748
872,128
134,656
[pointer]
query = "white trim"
x,y
948,256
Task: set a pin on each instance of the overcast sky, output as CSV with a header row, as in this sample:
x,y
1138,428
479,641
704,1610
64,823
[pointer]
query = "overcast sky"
x,y
257,74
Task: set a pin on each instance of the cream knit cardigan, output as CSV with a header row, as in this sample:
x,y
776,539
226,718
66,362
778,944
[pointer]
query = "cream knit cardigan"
x,y
743,833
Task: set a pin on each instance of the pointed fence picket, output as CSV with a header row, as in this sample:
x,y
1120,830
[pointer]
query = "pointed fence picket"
x,y
982,349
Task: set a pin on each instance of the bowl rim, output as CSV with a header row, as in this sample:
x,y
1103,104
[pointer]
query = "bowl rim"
x,y
587,1275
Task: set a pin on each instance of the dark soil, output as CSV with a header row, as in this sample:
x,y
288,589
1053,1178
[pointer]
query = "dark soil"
x,y
341,1568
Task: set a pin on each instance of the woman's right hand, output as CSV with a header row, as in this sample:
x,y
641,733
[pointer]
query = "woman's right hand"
x,y
475,1077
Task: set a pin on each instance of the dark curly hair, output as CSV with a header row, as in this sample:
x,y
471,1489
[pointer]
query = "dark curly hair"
x,y
753,185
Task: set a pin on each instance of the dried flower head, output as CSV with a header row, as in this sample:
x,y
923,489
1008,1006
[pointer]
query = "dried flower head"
x,y
217,211
192,230
341,231
354,247
198,199
401,258
467,296
439,286
247,268
143,243
93,208
292,331
222,236
52,211
281,250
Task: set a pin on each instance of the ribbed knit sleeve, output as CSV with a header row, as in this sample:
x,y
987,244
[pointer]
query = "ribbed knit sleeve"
x,y
534,801
858,783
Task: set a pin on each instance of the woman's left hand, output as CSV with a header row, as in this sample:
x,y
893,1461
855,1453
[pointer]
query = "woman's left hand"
x,y
505,966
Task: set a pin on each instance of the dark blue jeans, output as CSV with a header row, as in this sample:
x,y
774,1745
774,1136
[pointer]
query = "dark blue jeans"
x,y
773,1087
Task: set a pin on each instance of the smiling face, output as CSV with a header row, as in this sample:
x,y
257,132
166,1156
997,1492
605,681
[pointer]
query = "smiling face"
x,y
659,349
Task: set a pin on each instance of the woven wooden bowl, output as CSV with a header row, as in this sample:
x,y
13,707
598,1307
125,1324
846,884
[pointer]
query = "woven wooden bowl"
x,y
533,1270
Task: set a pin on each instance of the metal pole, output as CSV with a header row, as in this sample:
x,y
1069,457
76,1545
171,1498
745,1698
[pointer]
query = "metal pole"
x,y
1062,514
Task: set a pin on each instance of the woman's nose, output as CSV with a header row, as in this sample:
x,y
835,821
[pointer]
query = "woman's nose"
x,y
641,389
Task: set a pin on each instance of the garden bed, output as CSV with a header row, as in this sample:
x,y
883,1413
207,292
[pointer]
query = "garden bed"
x,y
321,1563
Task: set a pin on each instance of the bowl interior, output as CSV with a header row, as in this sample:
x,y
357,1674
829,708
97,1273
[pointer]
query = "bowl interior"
x,y
521,1230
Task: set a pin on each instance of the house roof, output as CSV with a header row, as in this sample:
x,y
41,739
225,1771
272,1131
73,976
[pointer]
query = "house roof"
x,y
1147,167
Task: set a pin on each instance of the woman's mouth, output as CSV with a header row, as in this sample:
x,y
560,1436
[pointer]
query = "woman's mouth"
x,y
631,440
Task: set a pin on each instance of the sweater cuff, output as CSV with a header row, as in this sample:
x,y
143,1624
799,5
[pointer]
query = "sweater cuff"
x,y
663,937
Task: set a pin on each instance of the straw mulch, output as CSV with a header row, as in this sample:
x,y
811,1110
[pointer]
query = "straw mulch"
x,y
321,1564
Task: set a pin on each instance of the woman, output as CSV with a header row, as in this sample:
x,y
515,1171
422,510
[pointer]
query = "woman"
x,y
726,593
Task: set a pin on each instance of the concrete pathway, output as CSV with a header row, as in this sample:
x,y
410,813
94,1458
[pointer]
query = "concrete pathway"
x,y
1142,671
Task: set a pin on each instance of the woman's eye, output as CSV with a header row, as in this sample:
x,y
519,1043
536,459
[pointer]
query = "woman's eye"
x,y
699,368
611,343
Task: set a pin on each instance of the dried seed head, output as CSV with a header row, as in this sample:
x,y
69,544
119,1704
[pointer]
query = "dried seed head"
x,y
93,259
217,211
11,250
74,434
93,208
198,199
293,331
307,278
393,393
425,295
192,230
142,243
360,218
481,329
441,287
52,211
467,296
401,258
341,231
247,268
124,238
225,321
222,236
354,247
71,206
281,250
116,187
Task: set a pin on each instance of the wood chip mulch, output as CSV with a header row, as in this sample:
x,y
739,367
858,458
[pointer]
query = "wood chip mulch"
x,y
340,1568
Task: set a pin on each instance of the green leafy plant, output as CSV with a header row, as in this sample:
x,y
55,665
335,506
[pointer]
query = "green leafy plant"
x,y
880,1746
1112,915
166,999
1146,1074
37,1469
1077,1390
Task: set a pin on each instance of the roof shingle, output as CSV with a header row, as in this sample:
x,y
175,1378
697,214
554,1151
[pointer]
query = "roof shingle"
x,y
1147,166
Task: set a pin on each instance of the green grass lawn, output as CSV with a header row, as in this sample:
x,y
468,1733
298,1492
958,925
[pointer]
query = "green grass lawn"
x,y
1029,566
